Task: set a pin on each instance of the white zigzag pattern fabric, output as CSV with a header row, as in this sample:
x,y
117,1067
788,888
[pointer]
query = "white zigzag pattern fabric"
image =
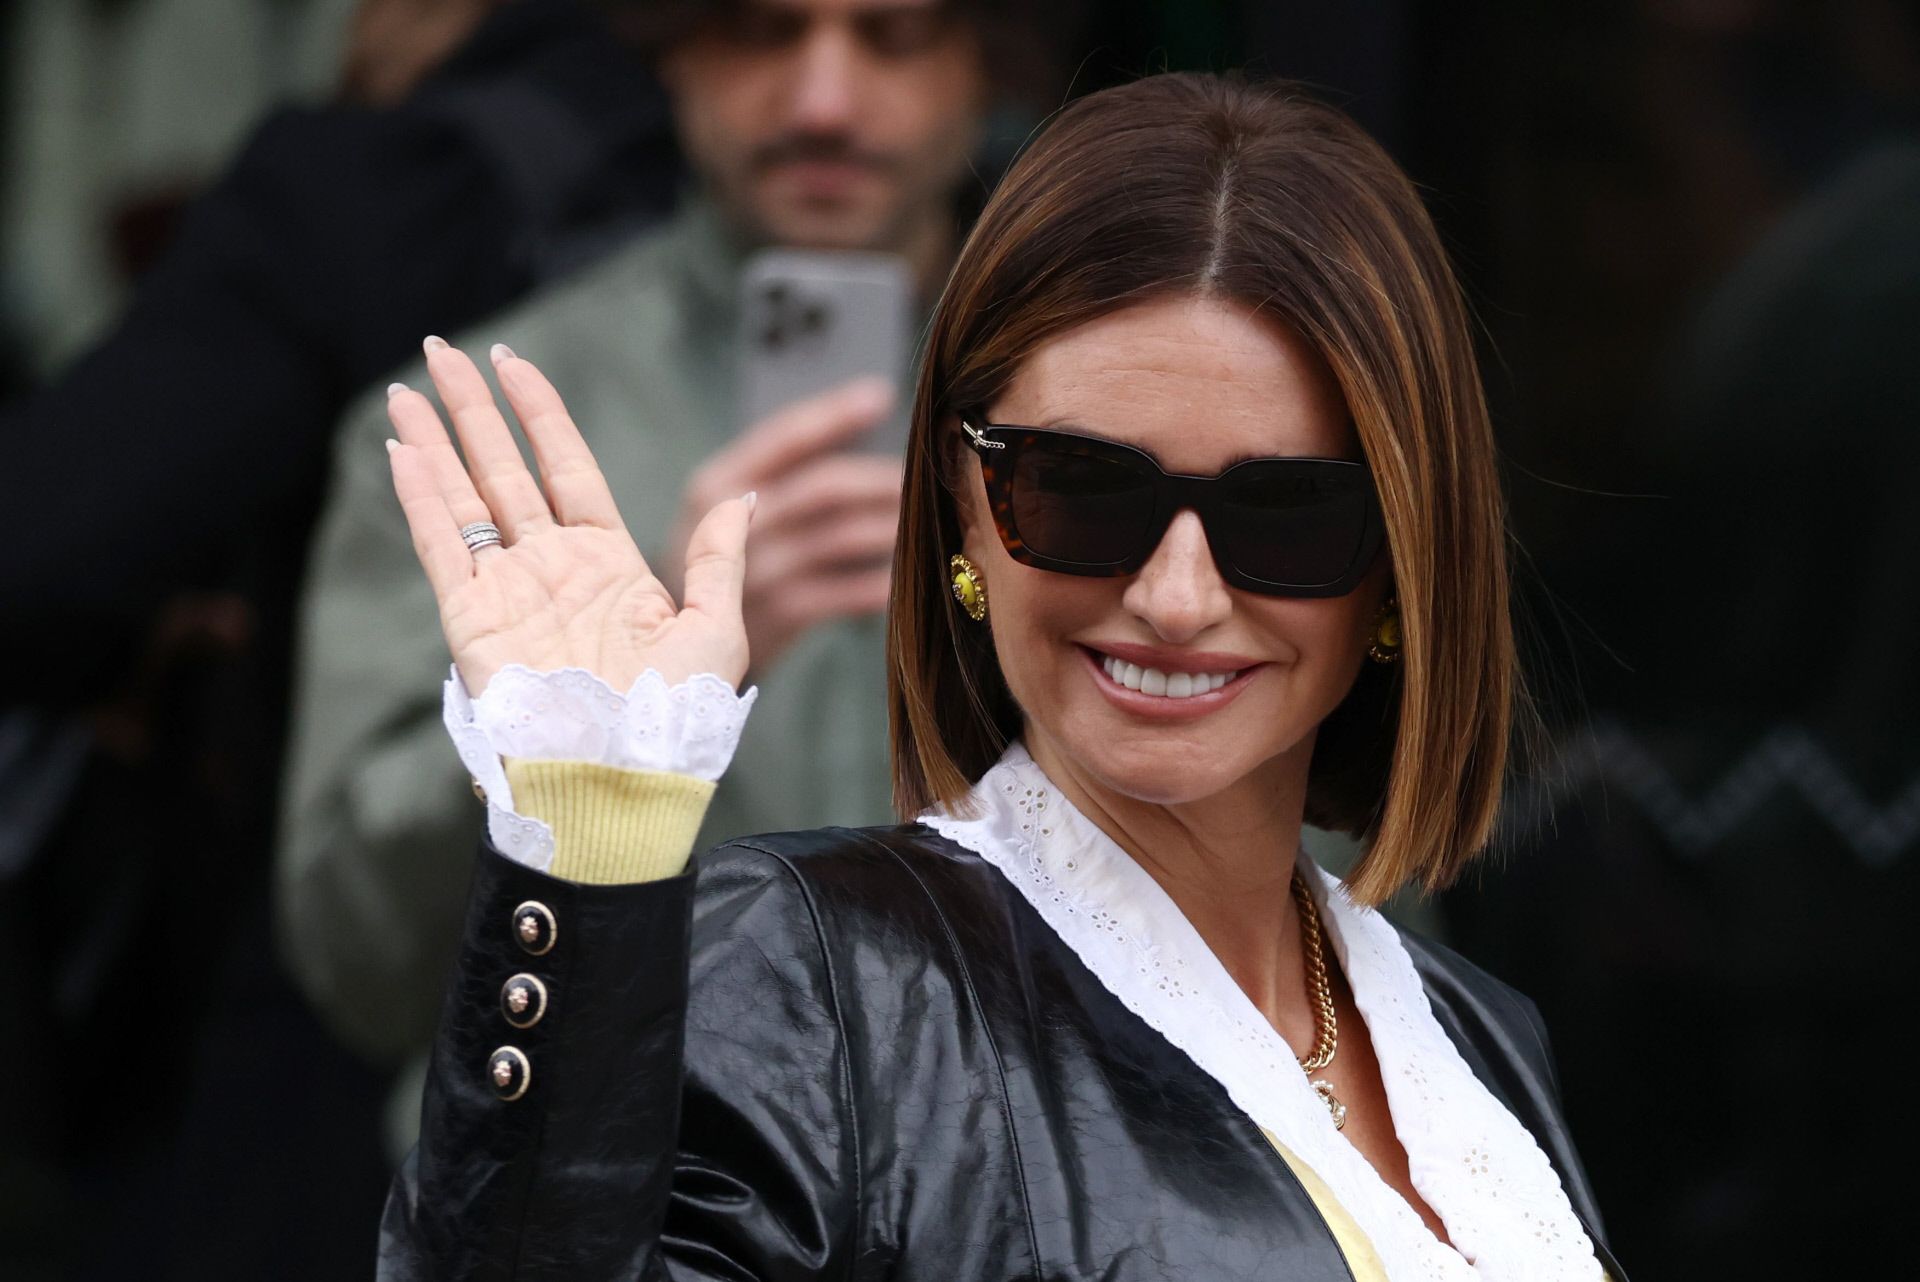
x,y
1788,760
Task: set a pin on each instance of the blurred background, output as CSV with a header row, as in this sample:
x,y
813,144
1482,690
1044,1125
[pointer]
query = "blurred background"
x,y
1689,228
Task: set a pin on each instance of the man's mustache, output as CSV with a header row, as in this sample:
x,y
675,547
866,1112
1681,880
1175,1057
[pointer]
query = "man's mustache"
x,y
820,148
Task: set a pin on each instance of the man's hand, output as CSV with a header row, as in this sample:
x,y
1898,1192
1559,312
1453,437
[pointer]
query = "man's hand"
x,y
822,539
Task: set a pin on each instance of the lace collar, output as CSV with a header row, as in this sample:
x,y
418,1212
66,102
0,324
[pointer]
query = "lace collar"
x,y
1474,1164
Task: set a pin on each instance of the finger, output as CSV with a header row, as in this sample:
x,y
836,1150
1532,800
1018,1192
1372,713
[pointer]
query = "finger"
x,y
575,485
840,596
827,488
493,459
419,428
435,530
861,540
809,428
717,560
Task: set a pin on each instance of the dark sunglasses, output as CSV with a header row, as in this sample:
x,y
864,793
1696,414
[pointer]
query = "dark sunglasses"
x,y
1300,527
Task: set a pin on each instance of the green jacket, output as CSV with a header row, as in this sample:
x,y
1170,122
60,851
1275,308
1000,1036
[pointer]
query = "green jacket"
x,y
378,819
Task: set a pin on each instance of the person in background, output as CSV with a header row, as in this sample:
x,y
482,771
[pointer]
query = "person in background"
x,y
145,662
820,124
538,144
1734,822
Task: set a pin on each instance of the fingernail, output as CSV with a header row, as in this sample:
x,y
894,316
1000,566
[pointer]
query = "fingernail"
x,y
752,499
434,343
394,389
392,445
501,352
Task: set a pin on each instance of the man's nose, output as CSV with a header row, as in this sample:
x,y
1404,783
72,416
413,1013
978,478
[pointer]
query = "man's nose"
x,y
1179,592
825,85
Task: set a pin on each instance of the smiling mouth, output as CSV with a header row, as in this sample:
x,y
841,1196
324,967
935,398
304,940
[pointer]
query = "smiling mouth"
x,y
1166,685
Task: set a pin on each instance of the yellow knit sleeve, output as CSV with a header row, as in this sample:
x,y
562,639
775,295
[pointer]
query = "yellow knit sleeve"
x,y
611,825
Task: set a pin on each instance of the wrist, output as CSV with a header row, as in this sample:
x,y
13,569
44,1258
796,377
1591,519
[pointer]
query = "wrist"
x,y
612,826
689,728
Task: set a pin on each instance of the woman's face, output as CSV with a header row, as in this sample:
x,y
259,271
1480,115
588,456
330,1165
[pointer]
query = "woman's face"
x,y
1200,384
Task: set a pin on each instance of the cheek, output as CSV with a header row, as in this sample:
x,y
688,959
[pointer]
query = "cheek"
x,y
931,100
1335,630
1033,614
1327,640
722,107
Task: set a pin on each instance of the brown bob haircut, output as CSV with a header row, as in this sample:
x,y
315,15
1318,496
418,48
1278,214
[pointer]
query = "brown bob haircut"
x,y
1260,195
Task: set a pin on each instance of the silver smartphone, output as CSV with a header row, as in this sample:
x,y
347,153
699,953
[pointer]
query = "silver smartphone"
x,y
812,320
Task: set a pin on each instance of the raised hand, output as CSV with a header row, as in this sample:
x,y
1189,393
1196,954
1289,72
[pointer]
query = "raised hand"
x,y
568,588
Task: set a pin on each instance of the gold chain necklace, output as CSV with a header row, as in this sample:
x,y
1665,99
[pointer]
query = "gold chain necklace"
x,y
1326,1025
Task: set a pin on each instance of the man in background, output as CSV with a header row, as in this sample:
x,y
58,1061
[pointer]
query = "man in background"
x,y
817,124
170,476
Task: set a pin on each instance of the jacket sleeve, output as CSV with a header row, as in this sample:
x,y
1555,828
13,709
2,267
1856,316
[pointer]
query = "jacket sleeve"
x,y
680,1110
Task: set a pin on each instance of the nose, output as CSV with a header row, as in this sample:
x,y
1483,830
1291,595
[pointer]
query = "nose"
x,y
1179,592
824,79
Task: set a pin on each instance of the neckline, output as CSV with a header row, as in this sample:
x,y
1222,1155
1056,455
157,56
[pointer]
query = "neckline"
x,y
1135,940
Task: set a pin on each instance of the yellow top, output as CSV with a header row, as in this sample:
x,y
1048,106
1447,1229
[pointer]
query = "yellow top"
x,y
612,826
1361,1260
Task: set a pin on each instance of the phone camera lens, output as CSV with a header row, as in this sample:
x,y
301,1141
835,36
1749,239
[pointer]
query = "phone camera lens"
x,y
813,317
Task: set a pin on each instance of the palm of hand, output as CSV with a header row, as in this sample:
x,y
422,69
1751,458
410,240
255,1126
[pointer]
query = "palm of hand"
x,y
569,589
574,598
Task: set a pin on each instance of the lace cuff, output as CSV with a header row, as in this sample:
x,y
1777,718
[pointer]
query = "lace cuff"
x,y
572,715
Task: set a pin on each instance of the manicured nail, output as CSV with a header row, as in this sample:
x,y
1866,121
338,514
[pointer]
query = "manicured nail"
x,y
752,499
392,445
394,389
434,343
501,352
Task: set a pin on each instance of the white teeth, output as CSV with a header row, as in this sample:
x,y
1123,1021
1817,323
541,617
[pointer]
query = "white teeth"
x,y
1177,685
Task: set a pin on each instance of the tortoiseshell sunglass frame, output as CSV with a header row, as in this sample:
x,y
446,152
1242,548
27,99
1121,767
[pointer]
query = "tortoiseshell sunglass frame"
x,y
999,445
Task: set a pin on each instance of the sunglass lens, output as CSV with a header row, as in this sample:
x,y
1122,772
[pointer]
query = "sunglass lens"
x,y
1080,504
1298,524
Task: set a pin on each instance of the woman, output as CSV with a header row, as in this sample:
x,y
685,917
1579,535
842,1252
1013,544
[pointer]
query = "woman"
x,y
1201,541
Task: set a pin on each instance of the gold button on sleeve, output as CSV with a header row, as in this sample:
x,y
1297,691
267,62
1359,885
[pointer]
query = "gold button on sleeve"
x,y
509,1072
523,1000
535,928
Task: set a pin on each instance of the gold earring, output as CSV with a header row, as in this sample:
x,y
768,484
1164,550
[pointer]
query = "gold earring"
x,y
1385,645
968,590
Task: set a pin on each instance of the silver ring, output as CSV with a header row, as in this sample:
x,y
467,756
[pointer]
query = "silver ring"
x,y
481,534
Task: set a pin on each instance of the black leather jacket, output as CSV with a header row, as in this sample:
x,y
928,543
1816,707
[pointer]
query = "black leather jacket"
x,y
880,1063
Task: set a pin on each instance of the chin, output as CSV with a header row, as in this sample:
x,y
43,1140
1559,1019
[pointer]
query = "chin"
x,y
1161,769
828,225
